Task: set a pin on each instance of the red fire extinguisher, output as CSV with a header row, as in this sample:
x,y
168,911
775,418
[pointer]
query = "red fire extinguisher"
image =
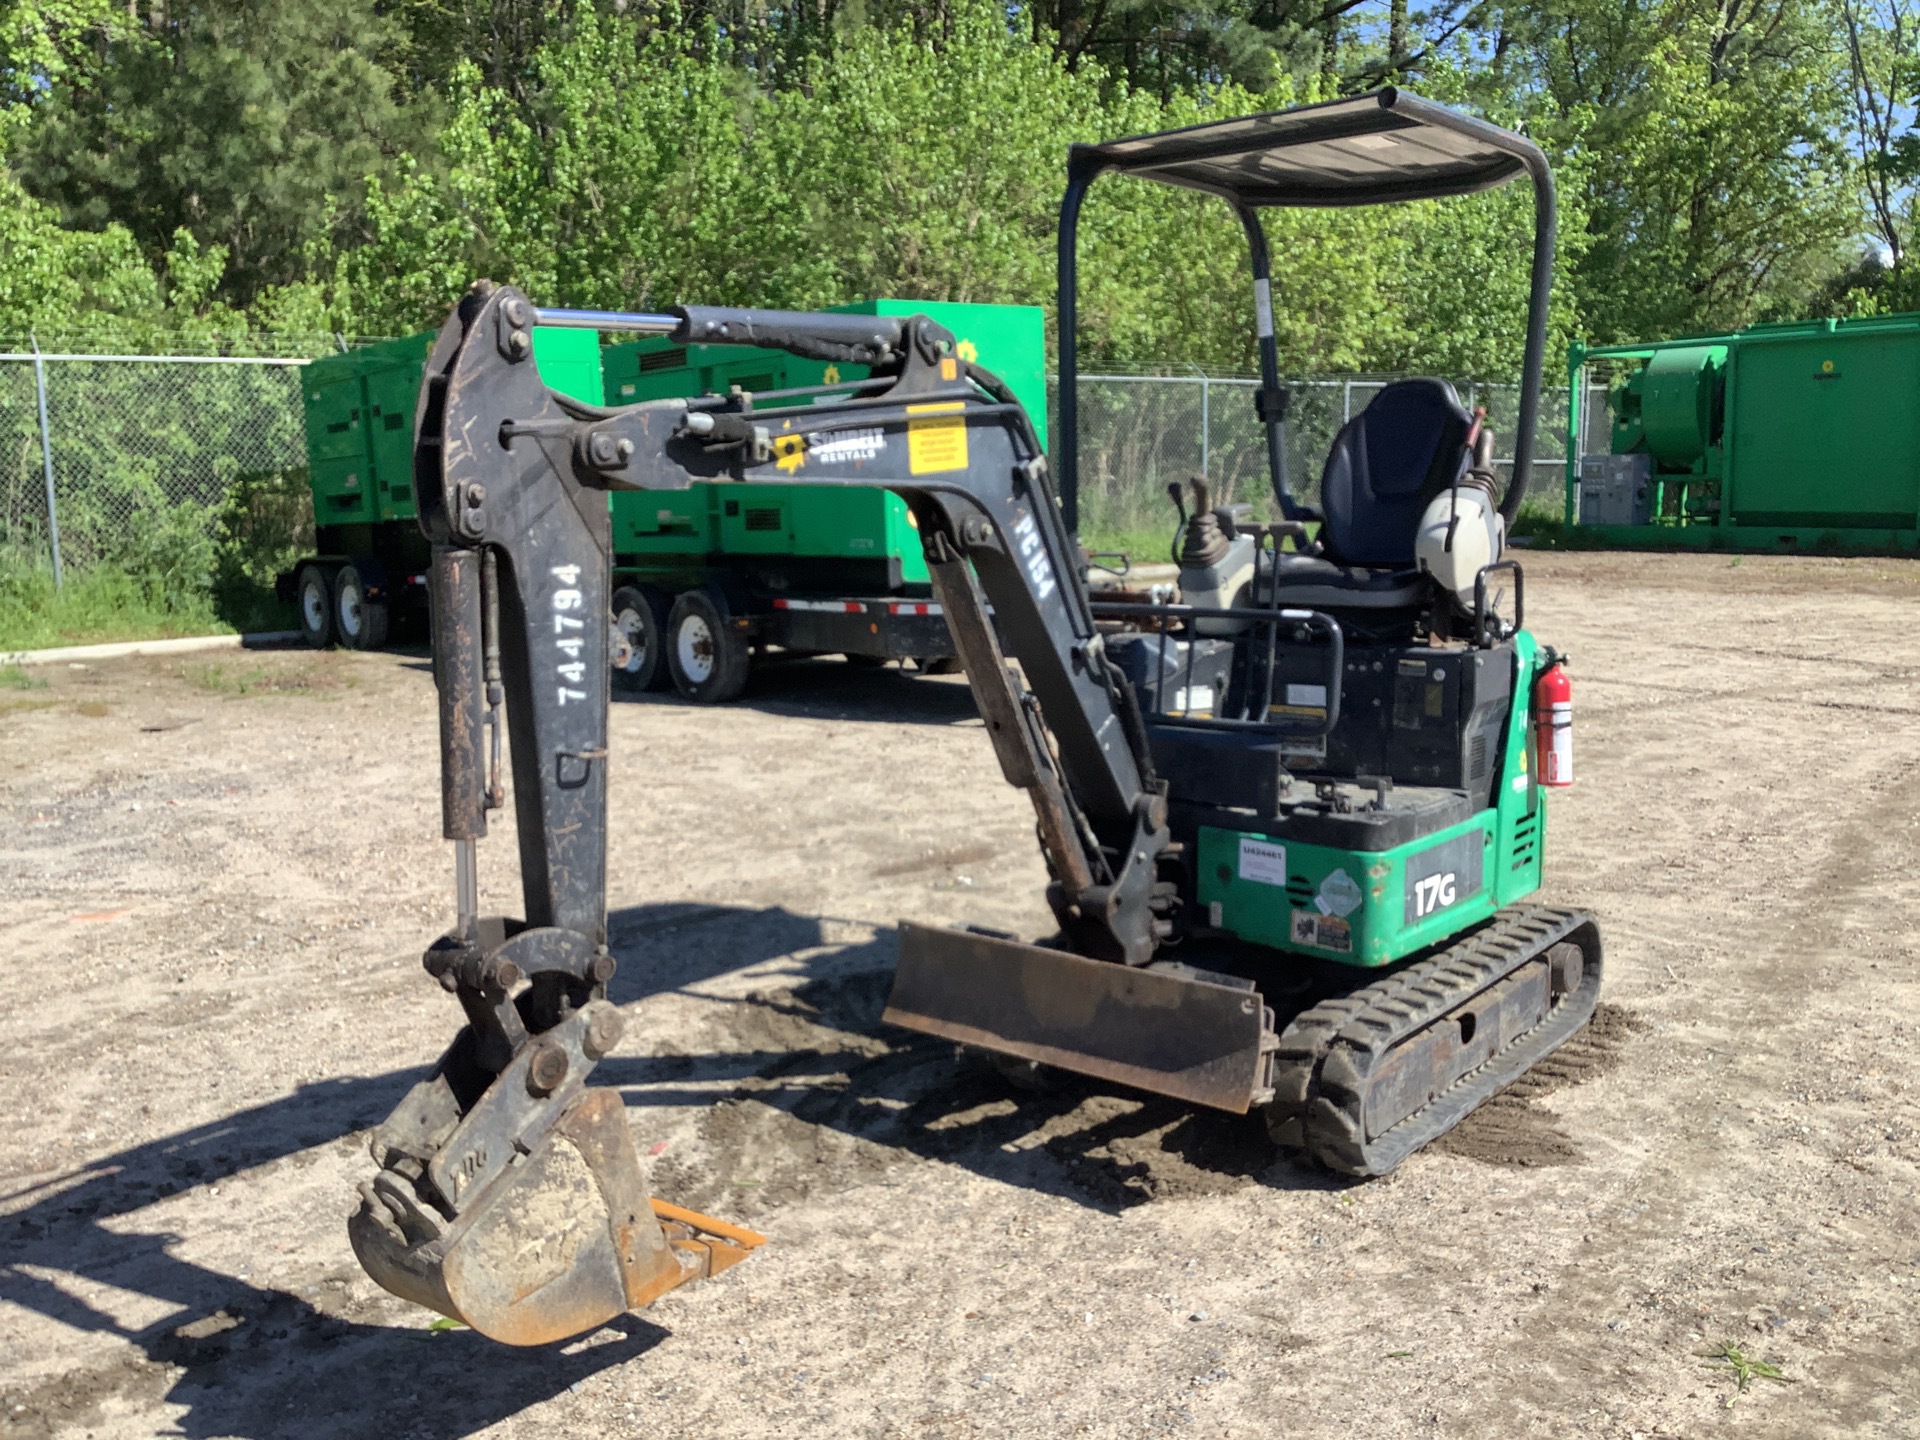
x,y
1553,725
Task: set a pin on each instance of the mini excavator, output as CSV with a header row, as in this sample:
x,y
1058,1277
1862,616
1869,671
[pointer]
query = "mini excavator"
x,y
1292,820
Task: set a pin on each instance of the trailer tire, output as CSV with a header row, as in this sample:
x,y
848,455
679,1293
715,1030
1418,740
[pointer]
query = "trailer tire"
x,y
313,597
640,618
706,654
360,622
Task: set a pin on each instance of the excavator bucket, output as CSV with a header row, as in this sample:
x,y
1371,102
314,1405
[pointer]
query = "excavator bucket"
x,y
553,1243
1174,1030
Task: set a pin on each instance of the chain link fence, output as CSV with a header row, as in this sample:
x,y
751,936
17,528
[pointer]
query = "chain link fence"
x,y
120,459
1141,432
135,458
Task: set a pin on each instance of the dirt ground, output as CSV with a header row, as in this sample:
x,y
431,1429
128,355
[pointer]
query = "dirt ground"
x,y
219,875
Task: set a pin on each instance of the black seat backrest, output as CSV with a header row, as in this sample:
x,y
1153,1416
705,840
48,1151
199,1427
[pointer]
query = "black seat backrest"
x,y
1387,463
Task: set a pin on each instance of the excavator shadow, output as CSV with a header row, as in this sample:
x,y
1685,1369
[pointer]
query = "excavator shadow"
x,y
798,1087
254,1355
823,688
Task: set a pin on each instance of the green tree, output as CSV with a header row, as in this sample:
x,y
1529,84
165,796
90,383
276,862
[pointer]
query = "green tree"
x,y
250,124
1708,132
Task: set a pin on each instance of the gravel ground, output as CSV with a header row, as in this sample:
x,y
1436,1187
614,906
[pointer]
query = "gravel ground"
x,y
220,873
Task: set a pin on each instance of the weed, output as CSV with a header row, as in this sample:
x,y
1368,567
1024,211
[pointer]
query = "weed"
x,y
15,677
240,681
1727,1358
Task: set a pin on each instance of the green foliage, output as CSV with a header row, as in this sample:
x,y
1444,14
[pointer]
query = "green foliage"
x,y
250,126
265,525
105,602
1716,182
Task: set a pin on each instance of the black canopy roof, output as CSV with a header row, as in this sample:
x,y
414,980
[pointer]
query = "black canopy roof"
x,y
1372,149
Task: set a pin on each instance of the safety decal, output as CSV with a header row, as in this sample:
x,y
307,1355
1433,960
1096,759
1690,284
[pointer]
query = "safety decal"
x,y
1262,861
1324,932
1338,895
967,351
938,443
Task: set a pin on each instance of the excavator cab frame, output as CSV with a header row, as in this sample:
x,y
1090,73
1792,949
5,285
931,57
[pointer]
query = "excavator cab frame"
x,y
1383,148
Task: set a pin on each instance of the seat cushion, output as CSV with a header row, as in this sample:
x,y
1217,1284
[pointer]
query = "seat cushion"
x,y
1312,583
1408,445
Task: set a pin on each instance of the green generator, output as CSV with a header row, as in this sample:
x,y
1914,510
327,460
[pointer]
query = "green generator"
x,y
1785,437
703,576
370,560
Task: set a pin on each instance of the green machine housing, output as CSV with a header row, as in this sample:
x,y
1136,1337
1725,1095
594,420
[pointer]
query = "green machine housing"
x,y
827,568
1465,841
1800,436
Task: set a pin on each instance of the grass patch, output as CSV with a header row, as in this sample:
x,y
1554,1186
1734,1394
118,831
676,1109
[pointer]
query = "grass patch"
x,y
242,681
15,677
163,572
1727,1359
104,603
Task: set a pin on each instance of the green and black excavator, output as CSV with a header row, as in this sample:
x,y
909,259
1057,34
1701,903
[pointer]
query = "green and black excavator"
x,y
1292,820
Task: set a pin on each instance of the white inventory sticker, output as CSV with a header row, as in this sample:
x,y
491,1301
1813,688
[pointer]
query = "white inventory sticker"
x,y
1194,700
1314,696
1262,861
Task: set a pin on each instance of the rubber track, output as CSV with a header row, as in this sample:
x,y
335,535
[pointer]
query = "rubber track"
x,y
1328,1051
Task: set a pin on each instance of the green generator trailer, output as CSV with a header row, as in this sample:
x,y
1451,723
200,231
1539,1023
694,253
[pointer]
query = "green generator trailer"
x,y
368,569
1784,438
701,578
703,575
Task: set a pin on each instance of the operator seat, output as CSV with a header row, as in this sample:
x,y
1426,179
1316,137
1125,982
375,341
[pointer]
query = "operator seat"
x,y
1387,463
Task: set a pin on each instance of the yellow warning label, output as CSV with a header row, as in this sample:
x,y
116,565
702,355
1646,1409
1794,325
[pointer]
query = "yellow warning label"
x,y
935,446
790,452
949,369
830,375
968,351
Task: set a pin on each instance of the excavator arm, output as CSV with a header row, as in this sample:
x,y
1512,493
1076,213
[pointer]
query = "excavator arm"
x,y
509,1195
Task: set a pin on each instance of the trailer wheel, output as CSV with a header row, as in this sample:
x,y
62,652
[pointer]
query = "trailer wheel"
x,y
362,623
315,599
706,655
639,623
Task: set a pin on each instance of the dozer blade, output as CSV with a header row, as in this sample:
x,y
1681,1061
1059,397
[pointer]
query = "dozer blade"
x,y
525,1217
1191,1034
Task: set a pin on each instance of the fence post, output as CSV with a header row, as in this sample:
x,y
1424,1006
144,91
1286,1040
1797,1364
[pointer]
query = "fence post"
x,y
1206,469
46,460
